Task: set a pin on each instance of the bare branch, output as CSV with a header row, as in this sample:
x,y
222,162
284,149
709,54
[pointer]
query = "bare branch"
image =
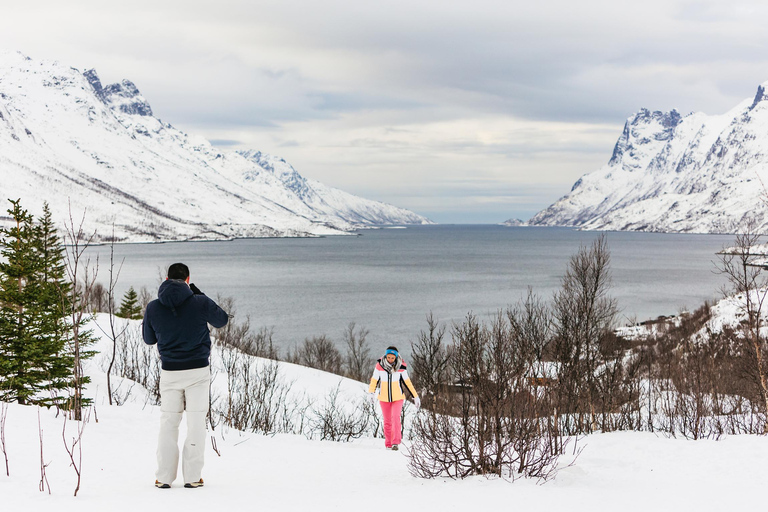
x,y
3,417
43,476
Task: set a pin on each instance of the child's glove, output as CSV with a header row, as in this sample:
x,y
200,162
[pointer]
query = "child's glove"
x,y
417,402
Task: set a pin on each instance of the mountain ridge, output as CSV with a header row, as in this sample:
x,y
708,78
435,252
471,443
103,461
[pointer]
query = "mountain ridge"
x,y
668,172
81,146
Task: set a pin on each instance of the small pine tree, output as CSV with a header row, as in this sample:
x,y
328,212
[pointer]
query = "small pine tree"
x,y
54,299
130,307
32,327
17,306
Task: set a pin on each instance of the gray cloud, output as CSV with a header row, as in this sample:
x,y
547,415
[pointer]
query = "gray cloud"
x,y
225,142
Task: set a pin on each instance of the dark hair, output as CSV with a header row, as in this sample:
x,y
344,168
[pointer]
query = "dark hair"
x,y
178,271
392,347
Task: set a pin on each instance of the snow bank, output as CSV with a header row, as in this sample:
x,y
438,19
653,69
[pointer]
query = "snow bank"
x,y
731,311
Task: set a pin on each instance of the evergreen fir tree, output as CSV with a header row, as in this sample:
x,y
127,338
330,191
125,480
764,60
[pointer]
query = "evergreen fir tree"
x,y
28,355
55,300
35,359
130,307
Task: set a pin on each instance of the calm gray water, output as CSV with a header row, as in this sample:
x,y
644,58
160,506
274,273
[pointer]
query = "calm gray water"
x,y
389,279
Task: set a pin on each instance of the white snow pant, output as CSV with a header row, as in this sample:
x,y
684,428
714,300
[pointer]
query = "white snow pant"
x,y
179,391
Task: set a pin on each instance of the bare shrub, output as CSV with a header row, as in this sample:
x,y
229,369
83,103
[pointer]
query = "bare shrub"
x,y
123,392
317,352
372,410
82,273
138,362
258,399
98,302
357,361
741,266
114,332
700,383
498,422
430,359
616,392
75,447
240,336
338,420
453,446
145,297
584,315
688,409
214,399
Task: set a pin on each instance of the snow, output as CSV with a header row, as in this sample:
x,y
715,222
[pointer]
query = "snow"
x,y
728,313
625,470
671,173
731,312
66,140
514,223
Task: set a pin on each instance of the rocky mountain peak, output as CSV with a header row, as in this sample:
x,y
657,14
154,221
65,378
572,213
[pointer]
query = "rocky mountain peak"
x,y
759,96
666,120
93,79
123,96
642,129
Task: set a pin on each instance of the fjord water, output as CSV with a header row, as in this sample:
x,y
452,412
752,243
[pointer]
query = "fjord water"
x,y
387,280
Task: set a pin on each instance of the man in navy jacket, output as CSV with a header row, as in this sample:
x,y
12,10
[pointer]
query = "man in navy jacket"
x,y
177,321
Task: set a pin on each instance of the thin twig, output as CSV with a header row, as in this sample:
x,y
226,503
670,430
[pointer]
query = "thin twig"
x,y
3,416
43,477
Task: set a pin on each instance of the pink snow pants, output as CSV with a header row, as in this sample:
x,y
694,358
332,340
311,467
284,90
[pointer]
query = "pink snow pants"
x,y
392,429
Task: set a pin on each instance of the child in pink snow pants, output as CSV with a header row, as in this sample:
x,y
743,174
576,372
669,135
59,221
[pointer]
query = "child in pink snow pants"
x,y
390,376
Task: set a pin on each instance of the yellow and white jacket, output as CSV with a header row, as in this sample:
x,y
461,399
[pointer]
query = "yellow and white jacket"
x,y
391,384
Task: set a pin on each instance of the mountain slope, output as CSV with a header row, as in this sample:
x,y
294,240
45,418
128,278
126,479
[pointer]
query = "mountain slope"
x,y
325,203
68,140
673,173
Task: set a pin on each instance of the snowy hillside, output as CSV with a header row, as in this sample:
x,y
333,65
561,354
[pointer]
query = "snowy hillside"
x,y
627,470
673,173
731,312
65,138
324,203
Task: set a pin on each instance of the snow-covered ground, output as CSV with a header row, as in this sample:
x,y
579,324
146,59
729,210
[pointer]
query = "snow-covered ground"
x,y
731,311
618,471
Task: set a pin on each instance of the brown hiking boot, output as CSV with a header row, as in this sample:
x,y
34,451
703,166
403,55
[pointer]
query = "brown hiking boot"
x,y
193,485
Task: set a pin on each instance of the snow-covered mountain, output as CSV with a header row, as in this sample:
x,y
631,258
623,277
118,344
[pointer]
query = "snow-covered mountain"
x,y
514,223
694,173
68,140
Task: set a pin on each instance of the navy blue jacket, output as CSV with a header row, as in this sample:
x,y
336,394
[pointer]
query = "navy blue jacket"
x,y
178,322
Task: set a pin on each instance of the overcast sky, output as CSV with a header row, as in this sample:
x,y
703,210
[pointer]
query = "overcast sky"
x,y
464,111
